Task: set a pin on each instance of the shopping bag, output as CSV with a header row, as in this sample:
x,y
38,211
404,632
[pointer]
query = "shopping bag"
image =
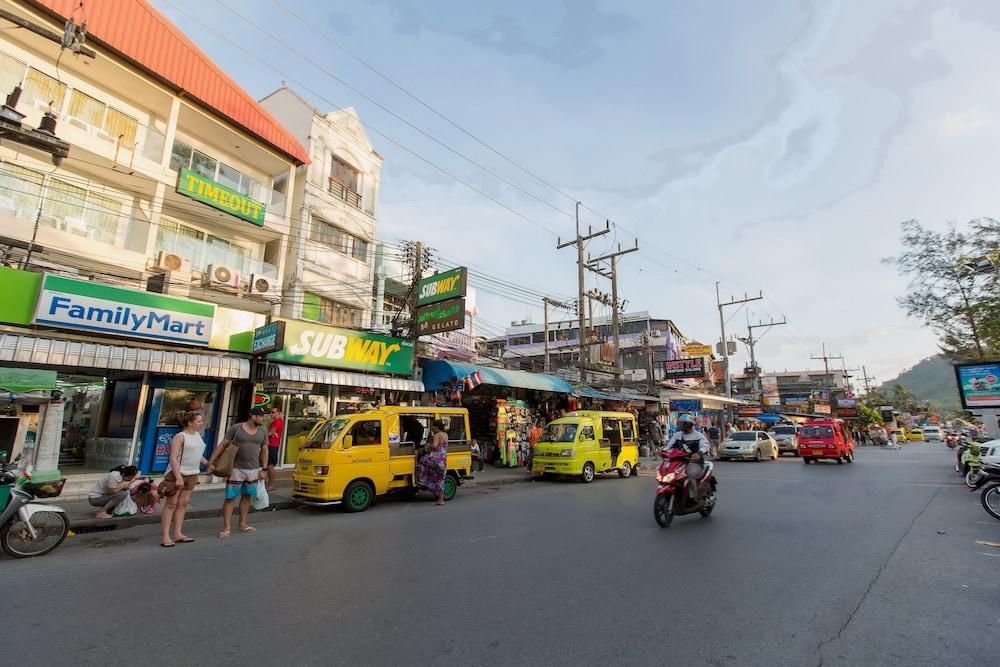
x,y
224,463
260,501
126,507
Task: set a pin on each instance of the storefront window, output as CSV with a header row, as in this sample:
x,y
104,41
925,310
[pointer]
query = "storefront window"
x,y
303,413
177,401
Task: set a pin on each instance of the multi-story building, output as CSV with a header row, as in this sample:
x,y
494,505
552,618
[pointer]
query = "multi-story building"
x,y
644,342
796,389
331,253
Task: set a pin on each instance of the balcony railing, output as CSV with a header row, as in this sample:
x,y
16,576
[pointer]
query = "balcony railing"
x,y
343,193
202,254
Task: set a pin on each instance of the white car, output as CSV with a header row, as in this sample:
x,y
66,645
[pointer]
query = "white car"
x,y
989,453
756,445
933,433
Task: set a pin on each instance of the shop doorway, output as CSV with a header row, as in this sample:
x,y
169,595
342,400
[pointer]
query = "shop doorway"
x,y
171,399
302,413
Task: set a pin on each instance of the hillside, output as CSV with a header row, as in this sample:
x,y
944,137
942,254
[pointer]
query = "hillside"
x,y
933,379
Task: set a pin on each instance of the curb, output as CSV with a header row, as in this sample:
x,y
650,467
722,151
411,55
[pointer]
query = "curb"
x,y
102,525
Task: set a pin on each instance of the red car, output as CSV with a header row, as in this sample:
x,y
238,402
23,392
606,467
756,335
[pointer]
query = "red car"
x,y
826,439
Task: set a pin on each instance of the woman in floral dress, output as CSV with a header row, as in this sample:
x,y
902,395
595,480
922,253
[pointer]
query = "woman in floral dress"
x,y
433,464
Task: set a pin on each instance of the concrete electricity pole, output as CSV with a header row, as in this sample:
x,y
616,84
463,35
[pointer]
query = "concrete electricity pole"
x,y
826,363
594,265
722,327
546,302
578,242
866,379
751,343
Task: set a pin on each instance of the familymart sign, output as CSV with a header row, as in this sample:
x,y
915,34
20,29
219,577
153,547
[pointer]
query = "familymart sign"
x,y
78,304
219,196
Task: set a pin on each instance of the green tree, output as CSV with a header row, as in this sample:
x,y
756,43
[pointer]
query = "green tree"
x,y
954,285
868,416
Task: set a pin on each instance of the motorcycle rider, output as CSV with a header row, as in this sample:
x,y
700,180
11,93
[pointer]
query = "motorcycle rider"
x,y
694,443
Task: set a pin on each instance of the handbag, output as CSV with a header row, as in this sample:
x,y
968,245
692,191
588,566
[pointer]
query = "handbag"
x,y
168,487
224,464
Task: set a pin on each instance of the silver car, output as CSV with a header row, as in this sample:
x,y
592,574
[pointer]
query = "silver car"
x,y
756,445
787,437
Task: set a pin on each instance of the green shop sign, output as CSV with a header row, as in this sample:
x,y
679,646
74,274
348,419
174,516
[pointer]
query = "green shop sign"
x,y
219,196
26,379
442,286
310,344
441,317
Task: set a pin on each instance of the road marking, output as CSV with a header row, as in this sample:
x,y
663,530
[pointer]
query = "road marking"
x,y
983,553
988,544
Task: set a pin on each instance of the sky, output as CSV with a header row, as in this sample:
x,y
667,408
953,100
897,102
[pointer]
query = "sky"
x,y
771,147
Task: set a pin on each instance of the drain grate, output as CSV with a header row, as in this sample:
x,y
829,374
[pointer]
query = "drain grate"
x,y
81,530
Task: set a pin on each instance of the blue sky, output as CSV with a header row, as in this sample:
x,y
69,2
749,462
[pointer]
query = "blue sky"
x,y
770,146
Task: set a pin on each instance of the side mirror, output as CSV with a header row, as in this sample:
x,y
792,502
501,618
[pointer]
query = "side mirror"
x,y
348,442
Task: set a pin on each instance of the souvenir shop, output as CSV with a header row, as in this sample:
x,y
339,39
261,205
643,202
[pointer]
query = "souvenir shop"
x,y
498,400
707,409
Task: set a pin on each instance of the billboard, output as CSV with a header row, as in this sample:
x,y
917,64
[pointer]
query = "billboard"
x,y
684,368
979,384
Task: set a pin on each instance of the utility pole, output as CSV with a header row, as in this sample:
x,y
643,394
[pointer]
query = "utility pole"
x,y
648,349
847,378
418,256
546,302
866,379
751,343
578,242
722,327
826,363
594,265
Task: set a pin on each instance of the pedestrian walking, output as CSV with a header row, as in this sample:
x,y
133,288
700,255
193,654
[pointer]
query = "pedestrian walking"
x,y
512,448
477,456
433,465
250,439
187,455
275,429
713,440
111,489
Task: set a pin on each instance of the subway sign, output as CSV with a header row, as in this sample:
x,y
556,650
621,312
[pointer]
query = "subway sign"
x,y
216,195
79,304
442,286
310,344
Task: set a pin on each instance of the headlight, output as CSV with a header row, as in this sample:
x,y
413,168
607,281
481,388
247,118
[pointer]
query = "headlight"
x,y
566,452
321,470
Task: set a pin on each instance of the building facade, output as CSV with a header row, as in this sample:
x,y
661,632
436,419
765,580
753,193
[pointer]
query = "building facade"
x,y
331,254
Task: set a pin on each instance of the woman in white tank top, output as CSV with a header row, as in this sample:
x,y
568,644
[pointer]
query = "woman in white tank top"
x,y
187,455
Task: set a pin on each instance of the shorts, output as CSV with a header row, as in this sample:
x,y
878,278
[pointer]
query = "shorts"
x,y
105,498
242,482
190,481
272,456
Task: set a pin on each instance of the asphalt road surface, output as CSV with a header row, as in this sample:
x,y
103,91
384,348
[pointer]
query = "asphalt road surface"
x,y
870,563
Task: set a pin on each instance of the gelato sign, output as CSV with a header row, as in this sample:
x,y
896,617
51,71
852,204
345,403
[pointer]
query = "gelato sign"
x,y
219,196
79,304
441,317
310,344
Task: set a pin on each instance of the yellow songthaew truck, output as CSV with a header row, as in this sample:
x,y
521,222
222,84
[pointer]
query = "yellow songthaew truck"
x,y
348,460
587,442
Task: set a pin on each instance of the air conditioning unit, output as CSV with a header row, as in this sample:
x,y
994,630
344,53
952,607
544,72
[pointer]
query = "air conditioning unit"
x,y
220,275
175,283
169,261
655,333
262,285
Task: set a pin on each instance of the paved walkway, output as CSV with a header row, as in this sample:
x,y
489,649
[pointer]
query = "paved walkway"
x,y
206,501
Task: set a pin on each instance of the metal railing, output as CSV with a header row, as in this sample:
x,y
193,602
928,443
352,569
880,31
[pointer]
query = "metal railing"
x,y
342,192
202,254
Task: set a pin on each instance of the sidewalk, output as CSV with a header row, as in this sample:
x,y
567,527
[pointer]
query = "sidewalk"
x,y
206,501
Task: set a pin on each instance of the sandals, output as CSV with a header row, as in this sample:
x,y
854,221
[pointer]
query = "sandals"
x,y
167,546
224,534
248,529
185,540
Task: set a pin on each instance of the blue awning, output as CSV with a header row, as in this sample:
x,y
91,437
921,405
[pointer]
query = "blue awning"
x,y
583,391
768,418
439,373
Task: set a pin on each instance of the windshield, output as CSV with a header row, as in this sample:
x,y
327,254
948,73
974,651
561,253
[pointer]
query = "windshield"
x,y
327,434
744,435
783,430
817,432
559,433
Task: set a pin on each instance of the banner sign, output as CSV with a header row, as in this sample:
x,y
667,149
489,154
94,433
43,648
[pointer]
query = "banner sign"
x,y
268,338
822,408
697,350
16,380
979,384
749,410
441,317
216,195
685,405
684,368
796,400
442,286
81,304
310,344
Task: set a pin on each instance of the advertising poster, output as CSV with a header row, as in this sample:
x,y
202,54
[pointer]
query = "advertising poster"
x,y
979,384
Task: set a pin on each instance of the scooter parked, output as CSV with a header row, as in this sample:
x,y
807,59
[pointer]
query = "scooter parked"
x,y
27,528
672,495
989,482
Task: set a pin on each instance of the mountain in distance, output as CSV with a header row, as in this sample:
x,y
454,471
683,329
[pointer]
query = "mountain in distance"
x,y
932,379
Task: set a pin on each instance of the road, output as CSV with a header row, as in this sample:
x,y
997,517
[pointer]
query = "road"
x,y
872,563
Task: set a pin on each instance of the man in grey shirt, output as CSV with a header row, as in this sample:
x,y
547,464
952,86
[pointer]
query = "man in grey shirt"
x,y
250,438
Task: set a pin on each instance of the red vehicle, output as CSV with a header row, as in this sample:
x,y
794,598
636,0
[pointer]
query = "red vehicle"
x,y
671,494
826,439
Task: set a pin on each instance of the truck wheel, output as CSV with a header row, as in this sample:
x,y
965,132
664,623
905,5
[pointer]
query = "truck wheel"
x,y
625,470
358,496
588,472
450,487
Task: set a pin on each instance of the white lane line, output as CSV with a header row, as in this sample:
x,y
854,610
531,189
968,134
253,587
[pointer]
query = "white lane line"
x,y
983,553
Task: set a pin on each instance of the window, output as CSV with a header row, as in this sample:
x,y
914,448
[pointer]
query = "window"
x,y
612,430
42,89
415,429
559,433
367,433
762,436
99,115
519,340
326,233
538,337
204,165
455,428
587,433
229,176
180,156
20,190
345,174
628,430
743,435
11,73
319,309
360,250
816,432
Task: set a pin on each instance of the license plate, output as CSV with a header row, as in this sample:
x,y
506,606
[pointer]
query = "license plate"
x,y
817,452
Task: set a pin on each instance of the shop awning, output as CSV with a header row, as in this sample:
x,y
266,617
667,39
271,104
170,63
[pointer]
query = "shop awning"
x,y
19,349
584,391
673,394
438,373
340,378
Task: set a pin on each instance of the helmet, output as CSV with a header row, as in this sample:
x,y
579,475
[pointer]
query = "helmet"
x,y
686,417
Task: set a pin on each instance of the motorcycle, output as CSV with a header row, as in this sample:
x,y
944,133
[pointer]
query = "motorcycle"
x,y
29,529
989,481
951,440
672,495
971,466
